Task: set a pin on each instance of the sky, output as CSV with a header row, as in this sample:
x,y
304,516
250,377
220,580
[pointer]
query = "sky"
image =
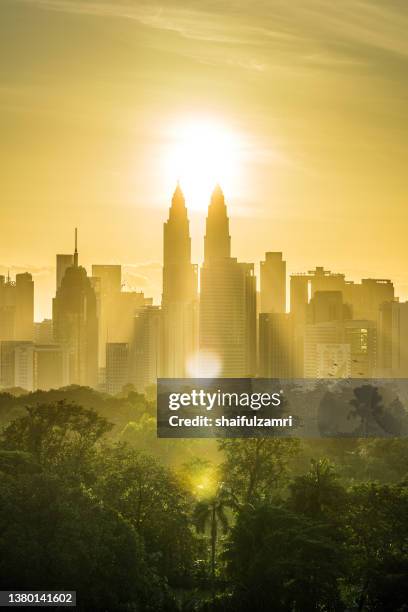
x,y
299,109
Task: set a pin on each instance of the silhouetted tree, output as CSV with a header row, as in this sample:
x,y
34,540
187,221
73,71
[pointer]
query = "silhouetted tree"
x,y
211,513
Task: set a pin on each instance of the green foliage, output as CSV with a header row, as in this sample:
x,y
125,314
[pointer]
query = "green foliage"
x,y
378,528
56,537
59,436
152,499
91,500
318,492
281,561
253,468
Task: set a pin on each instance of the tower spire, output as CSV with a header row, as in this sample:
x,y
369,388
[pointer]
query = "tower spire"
x,y
76,248
217,241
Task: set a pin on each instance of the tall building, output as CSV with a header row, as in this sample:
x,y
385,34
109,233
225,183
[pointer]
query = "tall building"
x,y
24,322
63,262
325,352
179,298
17,308
50,367
7,309
367,297
107,284
273,283
43,333
361,335
393,340
24,366
276,345
327,306
227,301
325,280
146,351
117,366
8,362
299,297
75,324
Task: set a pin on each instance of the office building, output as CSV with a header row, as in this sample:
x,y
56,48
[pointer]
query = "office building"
x,y
179,298
273,283
227,302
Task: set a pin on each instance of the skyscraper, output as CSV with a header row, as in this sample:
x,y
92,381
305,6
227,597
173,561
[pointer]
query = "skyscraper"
x,y
227,301
146,348
107,283
393,340
24,323
273,283
179,299
275,345
75,324
117,366
217,239
63,262
17,307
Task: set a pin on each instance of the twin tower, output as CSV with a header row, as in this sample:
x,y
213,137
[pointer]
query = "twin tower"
x,y
212,332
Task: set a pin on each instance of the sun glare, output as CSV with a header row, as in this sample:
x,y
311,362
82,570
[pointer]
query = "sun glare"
x,y
201,153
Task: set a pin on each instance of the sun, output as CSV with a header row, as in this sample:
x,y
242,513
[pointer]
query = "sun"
x,y
200,153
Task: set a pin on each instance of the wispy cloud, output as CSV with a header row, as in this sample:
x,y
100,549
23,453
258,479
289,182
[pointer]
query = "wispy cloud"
x,y
317,33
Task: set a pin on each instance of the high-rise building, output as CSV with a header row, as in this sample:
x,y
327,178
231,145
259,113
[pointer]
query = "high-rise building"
x,y
276,345
327,306
361,335
17,308
179,299
7,309
227,302
299,297
273,283
50,367
146,352
325,352
43,333
63,262
8,362
367,297
24,322
24,366
107,283
117,366
75,324
325,280
393,340
340,348
111,278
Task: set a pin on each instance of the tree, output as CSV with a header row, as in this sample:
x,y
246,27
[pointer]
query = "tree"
x,y
151,498
318,492
59,436
377,522
253,468
278,560
368,407
211,513
59,537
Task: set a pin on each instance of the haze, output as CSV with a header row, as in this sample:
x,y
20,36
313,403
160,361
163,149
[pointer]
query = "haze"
x,y
94,97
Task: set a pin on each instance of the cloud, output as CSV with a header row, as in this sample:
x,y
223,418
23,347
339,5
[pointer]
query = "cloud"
x,y
255,35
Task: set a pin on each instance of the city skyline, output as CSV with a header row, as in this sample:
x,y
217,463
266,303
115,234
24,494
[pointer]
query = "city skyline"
x,y
301,113
105,337
147,276
132,281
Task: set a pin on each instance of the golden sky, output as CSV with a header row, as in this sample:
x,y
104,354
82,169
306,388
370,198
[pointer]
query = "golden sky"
x,y
101,102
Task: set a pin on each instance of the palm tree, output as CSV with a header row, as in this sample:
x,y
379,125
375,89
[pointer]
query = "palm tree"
x,y
210,513
318,490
